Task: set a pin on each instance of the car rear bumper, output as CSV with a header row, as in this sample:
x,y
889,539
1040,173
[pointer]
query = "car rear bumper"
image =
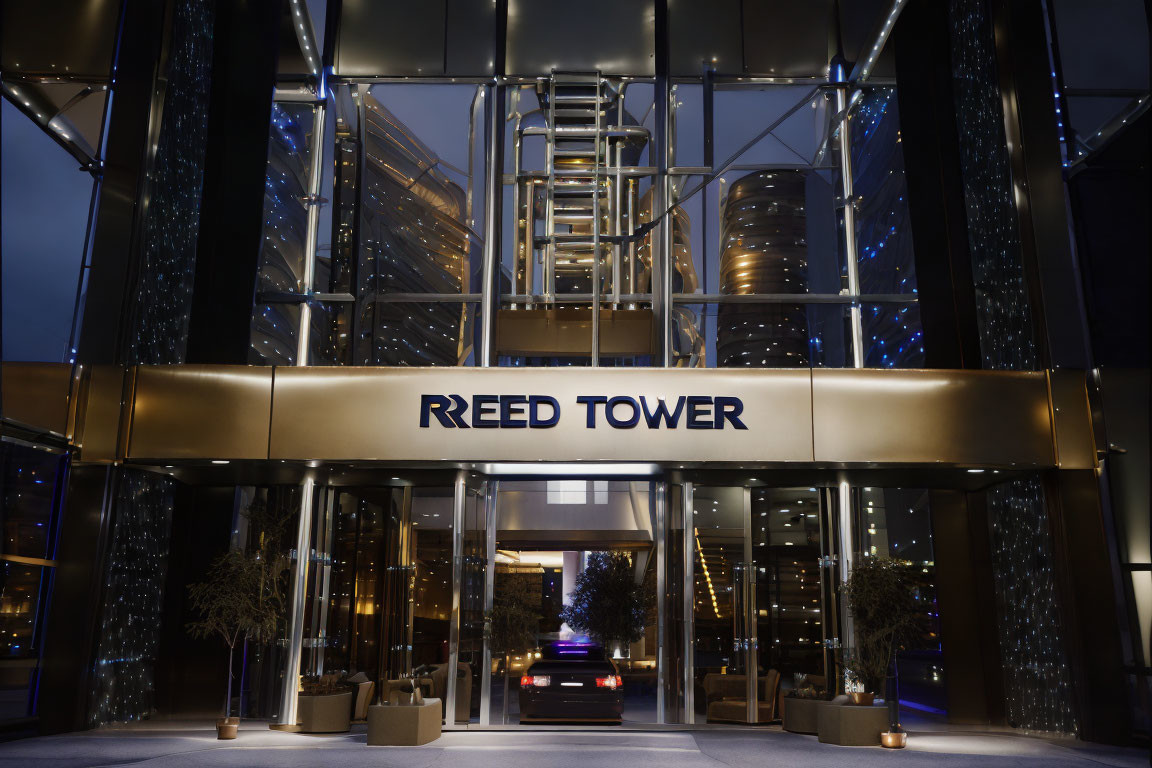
x,y
562,705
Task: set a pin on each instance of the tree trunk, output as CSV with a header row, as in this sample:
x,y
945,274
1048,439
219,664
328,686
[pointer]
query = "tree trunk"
x,y
507,674
228,688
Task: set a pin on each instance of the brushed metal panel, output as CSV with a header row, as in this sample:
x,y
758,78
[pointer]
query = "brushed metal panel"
x,y
1072,420
615,37
788,39
100,412
567,332
36,394
391,37
704,33
201,411
373,414
963,418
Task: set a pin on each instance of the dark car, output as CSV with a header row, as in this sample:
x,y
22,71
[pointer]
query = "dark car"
x,y
572,681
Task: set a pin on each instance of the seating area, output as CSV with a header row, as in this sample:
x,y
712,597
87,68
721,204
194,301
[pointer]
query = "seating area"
x,y
331,703
727,698
835,721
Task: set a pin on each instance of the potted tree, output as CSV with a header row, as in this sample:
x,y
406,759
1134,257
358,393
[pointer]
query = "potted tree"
x,y
513,623
241,599
607,603
882,601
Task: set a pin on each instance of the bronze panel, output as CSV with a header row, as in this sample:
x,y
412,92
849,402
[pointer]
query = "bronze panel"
x,y
201,411
36,394
373,414
101,411
567,332
963,418
1072,420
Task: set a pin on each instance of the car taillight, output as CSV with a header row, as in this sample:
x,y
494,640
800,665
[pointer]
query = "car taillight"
x,y
612,681
539,681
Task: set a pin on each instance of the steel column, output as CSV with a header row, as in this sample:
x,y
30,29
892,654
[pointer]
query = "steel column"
x,y
850,256
689,604
304,334
661,489
458,500
493,197
491,499
291,682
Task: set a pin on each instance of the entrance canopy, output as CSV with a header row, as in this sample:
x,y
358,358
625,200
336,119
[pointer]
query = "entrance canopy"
x,y
797,418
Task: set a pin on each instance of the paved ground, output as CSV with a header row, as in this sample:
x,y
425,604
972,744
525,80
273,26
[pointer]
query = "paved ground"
x,y
170,745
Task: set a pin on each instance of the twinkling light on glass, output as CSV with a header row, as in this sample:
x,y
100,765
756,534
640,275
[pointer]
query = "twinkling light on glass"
x,y
1037,681
893,337
133,589
133,599
163,288
1003,313
285,242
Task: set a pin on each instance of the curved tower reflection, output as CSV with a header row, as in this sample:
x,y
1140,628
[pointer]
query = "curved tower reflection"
x,y
414,241
764,251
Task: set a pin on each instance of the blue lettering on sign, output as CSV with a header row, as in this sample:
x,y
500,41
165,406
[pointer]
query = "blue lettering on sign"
x,y
543,411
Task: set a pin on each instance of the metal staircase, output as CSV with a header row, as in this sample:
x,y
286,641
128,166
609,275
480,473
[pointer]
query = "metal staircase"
x,y
575,204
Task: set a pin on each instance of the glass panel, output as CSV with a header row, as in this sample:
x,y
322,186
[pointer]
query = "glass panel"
x,y
419,209
283,249
29,487
21,587
331,338
43,238
789,609
416,333
897,523
720,660
470,657
761,335
543,569
274,328
883,229
893,337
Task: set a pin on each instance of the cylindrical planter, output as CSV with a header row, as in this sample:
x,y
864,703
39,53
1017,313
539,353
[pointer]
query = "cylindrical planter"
x,y
894,740
226,727
861,699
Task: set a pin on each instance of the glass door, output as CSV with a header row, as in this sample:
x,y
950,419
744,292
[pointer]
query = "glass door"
x,y
757,603
722,596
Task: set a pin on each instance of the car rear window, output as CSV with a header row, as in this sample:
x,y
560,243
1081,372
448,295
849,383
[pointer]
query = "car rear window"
x,y
573,652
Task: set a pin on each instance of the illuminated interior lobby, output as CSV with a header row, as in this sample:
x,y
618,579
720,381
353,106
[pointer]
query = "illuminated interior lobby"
x,y
438,303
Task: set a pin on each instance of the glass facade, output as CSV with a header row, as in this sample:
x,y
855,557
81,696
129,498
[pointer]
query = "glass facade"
x,y
736,588
31,495
617,241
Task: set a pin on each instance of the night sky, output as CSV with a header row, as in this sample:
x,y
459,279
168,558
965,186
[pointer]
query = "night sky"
x,y
45,205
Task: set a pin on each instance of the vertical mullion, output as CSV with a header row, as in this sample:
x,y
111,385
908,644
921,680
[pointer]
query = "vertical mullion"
x,y
458,501
689,605
659,488
491,499
751,678
852,263
299,584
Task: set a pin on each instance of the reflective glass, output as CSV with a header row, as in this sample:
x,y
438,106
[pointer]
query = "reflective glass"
x,y
416,333
761,335
892,336
274,329
28,498
789,614
283,248
897,523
